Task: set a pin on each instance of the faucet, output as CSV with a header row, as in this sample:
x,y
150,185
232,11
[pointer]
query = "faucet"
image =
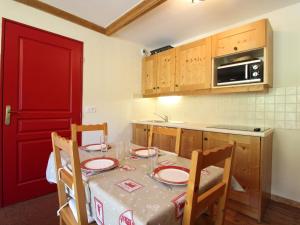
x,y
164,117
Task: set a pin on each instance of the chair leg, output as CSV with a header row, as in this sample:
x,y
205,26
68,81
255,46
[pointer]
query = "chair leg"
x,y
61,222
220,211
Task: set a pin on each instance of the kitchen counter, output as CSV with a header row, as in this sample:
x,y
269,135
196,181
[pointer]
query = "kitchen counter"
x,y
206,127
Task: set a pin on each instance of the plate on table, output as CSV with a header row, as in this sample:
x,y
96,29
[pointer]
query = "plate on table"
x,y
95,147
143,152
174,175
99,164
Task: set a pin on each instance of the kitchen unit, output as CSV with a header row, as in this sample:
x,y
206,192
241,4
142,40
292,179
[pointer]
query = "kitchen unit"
x,y
192,68
252,164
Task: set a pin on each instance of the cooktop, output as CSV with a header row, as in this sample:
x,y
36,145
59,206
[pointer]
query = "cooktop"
x,y
242,128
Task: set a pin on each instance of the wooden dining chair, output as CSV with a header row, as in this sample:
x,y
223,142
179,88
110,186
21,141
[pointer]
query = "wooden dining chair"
x,y
168,131
71,180
197,203
80,128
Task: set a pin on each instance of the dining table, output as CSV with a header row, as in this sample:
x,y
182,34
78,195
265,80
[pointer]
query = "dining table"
x,y
129,195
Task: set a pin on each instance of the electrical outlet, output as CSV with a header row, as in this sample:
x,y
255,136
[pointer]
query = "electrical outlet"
x,y
90,109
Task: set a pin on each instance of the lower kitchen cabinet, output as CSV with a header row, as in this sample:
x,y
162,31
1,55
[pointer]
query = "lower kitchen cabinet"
x,y
190,140
252,167
140,134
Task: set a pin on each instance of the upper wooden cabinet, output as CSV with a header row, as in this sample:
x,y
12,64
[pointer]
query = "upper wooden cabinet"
x,y
244,38
165,72
193,66
149,75
158,73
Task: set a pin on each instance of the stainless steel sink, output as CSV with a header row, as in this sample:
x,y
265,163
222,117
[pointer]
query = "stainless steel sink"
x,y
154,121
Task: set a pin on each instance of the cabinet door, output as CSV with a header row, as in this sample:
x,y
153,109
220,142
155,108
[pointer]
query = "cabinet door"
x,y
240,39
140,134
193,66
165,71
190,140
164,142
246,164
149,75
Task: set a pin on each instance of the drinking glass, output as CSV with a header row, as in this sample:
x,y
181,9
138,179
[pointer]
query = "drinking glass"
x,y
103,143
120,151
152,158
127,147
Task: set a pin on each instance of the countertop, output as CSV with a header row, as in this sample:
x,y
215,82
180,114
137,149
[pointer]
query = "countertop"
x,y
206,127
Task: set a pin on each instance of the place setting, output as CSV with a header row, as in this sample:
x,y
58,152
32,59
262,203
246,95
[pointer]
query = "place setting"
x,y
102,146
165,173
107,161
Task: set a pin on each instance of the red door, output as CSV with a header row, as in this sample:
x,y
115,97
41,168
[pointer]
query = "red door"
x,y
42,83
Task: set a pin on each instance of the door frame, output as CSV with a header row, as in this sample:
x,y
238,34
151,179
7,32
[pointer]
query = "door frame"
x,y
4,21
1,112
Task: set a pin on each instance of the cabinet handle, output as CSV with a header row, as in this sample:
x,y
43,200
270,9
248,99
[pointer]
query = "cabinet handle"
x,y
235,48
157,87
154,88
176,85
145,129
205,139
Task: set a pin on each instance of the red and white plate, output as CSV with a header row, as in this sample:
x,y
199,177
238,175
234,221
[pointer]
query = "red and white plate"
x,y
143,152
174,175
95,147
99,164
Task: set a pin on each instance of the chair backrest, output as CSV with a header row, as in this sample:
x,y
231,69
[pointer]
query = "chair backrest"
x,y
197,203
72,180
175,132
80,128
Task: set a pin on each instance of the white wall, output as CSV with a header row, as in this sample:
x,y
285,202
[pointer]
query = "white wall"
x,y
280,108
112,67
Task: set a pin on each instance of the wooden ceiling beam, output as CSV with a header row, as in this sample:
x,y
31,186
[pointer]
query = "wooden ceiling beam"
x,y
139,10
63,14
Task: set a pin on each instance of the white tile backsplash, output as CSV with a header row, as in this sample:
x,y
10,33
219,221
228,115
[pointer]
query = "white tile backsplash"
x,y
291,99
260,108
290,116
291,108
279,108
280,91
291,90
280,99
279,116
269,107
270,99
260,100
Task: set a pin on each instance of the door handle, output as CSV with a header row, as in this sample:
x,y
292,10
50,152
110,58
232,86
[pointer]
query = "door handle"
x,y
8,112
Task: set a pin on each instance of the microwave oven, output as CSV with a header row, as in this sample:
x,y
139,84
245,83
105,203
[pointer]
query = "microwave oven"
x,y
250,71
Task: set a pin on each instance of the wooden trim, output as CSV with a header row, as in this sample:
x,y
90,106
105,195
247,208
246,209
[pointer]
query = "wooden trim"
x,y
139,10
286,201
63,14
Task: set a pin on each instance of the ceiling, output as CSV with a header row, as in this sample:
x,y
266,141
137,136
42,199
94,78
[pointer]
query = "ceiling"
x,y
100,12
173,21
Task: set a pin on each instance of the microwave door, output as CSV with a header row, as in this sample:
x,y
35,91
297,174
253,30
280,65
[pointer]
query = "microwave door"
x,y
228,75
